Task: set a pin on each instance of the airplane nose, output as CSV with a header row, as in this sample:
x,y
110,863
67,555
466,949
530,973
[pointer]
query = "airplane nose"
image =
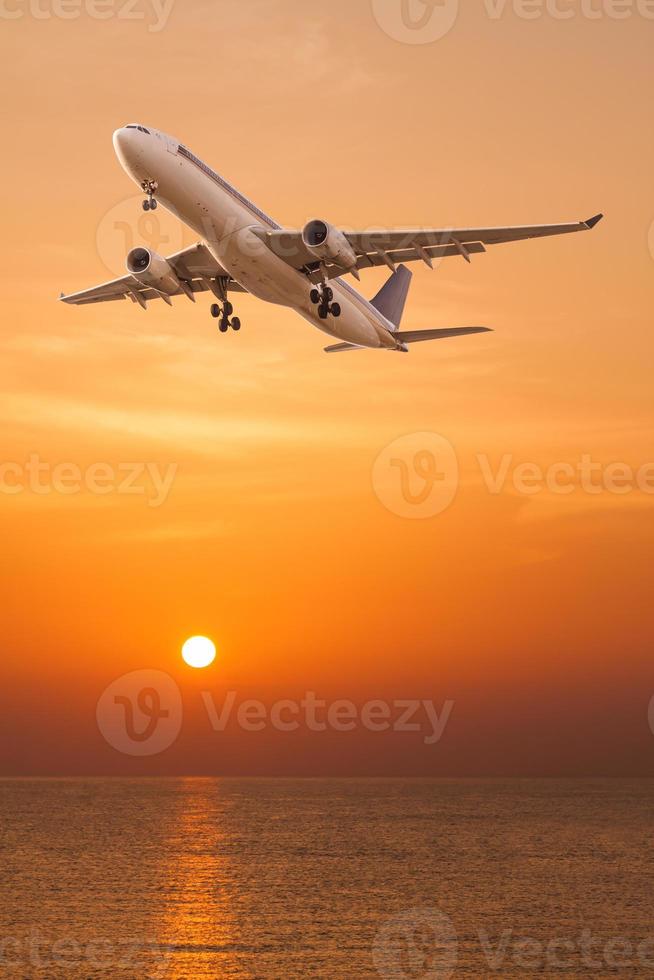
x,y
120,139
127,149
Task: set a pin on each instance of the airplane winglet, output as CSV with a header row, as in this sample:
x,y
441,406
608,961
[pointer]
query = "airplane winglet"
x,y
593,221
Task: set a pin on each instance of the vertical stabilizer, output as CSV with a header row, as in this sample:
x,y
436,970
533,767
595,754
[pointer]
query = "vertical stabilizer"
x,y
391,298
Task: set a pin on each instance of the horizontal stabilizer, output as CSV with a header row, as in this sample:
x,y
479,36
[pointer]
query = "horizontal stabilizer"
x,y
415,336
336,348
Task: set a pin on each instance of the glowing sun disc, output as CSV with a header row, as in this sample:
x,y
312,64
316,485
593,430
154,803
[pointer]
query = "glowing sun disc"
x,y
199,651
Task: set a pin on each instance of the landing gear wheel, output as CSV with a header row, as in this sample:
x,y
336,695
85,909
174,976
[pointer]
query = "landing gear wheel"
x,y
322,297
336,309
236,323
223,326
150,188
229,309
215,311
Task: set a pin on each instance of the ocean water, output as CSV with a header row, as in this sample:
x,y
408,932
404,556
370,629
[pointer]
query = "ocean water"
x,y
328,878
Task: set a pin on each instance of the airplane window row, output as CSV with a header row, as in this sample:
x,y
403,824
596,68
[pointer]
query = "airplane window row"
x,y
228,187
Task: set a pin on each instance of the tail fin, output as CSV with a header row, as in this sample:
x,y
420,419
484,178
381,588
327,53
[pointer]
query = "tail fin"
x,y
391,298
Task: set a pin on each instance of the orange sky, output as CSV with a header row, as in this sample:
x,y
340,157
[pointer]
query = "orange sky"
x,y
533,613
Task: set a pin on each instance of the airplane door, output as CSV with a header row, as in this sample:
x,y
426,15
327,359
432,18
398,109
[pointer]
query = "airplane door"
x,y
171,145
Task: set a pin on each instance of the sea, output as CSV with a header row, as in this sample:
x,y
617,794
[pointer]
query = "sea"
x,y
329,878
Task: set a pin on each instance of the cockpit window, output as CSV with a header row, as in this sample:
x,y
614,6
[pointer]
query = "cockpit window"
x,y
141,129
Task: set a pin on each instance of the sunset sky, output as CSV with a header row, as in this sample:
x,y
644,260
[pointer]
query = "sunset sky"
x,y
532,612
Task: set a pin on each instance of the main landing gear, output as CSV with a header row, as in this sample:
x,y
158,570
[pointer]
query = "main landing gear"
x,y
224,312
150,188
322,297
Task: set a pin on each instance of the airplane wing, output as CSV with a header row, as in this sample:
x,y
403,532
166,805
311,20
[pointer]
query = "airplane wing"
x,y
195,267
391,247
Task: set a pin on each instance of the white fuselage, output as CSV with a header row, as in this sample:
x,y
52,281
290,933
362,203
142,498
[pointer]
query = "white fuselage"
x,y
228,223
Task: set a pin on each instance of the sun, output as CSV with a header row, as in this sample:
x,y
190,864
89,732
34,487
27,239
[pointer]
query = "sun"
x,y
199,651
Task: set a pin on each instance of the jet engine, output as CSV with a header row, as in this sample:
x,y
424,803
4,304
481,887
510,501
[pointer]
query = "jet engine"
x,y
329,244
150,269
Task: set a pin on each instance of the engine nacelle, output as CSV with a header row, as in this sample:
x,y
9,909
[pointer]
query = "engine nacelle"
x,y
329,244
152,270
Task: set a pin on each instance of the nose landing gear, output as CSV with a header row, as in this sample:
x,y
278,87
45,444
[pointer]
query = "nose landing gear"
x,y
150,188
224,312
322,297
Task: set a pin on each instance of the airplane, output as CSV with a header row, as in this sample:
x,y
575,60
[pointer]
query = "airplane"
x,y
244,251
